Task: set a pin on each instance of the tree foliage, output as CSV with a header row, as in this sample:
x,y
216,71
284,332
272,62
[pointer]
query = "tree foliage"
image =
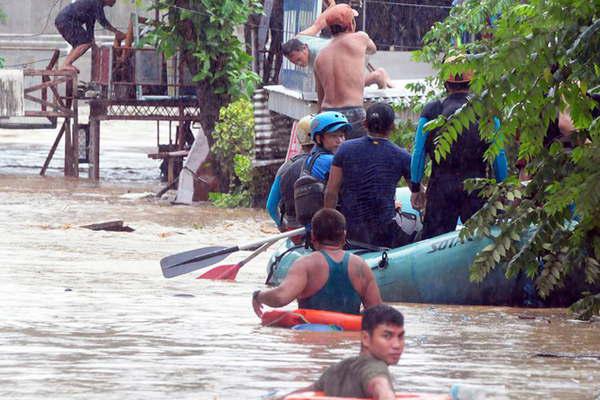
x,y
537,59
203,32
234,141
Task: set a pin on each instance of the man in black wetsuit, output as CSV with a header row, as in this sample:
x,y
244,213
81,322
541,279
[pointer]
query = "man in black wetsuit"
x,y
70,23
446,197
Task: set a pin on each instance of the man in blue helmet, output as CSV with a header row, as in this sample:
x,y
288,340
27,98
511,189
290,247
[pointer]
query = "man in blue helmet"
x,y
328,130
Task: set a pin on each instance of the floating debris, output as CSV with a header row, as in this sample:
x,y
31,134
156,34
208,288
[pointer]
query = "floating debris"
x,y
112,226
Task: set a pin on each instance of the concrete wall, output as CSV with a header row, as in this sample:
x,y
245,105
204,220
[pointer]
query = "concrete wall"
x,y
28,35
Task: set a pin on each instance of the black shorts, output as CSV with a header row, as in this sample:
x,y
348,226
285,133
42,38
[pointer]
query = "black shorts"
x,y
73,33
356,116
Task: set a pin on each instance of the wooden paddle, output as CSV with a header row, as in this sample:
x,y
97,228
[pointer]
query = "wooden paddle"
x,y
188,261
230,271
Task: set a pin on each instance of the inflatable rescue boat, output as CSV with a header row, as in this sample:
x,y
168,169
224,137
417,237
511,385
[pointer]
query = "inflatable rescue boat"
x,y
434,271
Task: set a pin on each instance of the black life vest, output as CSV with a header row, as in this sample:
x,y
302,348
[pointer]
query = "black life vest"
x,y
308,192
287,208
466,153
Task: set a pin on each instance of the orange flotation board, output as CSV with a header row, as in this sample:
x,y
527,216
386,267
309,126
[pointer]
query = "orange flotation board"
x,y
399,396
288,319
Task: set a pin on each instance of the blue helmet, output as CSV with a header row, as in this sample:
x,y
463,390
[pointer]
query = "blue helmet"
x,y
327,122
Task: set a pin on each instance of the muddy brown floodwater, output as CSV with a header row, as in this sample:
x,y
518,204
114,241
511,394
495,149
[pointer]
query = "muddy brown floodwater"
x,y
87,314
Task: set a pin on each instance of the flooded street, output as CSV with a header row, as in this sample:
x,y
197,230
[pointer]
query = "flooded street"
x,y
88,315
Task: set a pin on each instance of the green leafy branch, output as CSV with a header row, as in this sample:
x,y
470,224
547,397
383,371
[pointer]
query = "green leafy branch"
x,y
206,30
535,62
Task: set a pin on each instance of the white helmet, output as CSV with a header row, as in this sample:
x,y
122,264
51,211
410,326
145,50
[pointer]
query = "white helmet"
x,y
303,130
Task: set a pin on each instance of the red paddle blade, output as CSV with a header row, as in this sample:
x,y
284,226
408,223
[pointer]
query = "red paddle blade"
x,y
222,272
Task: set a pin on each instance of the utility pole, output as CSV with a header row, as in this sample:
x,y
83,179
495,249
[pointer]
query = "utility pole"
x,y
364,16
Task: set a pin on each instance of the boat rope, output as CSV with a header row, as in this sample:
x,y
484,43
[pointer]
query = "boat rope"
x,y
383,263
276,261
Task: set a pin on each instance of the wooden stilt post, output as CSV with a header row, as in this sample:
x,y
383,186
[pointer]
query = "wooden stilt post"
x,y
53,149
75,141
68,148
94,161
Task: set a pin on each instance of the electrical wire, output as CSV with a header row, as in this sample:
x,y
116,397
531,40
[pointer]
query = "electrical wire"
x,y
42,32
371,1
395,3
410,4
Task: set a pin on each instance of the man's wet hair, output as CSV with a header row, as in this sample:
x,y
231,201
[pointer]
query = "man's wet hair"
x,y
337,29
381,314
291,45
328,225
380,118
454,86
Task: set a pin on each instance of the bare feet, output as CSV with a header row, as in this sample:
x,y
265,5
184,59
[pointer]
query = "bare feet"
x,y
385,77
69,67
380,77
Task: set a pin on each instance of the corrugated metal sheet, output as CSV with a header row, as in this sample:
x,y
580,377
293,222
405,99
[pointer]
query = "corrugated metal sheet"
x,y
272,132
295,104
11,93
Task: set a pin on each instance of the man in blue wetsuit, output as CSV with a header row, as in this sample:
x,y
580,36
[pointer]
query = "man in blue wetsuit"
x,y
446,198
366,171
327,279
280,203
76,24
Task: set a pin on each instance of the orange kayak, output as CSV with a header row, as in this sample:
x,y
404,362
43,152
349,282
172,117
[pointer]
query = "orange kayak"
x,y
288,319
399,396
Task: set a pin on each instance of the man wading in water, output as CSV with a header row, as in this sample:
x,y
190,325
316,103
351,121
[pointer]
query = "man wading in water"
x,y
367,375
328,279
339,68
70,23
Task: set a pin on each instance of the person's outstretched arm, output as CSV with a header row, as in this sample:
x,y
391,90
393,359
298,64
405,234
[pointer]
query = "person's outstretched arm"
x,y
500,163
417,161
417,166
273,201
107,25
319,23
291,287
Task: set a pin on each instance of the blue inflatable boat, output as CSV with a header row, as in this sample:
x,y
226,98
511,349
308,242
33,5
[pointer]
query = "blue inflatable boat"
x,y
434,271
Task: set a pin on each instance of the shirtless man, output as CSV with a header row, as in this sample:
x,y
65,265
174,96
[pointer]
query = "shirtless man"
x,y
339,68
